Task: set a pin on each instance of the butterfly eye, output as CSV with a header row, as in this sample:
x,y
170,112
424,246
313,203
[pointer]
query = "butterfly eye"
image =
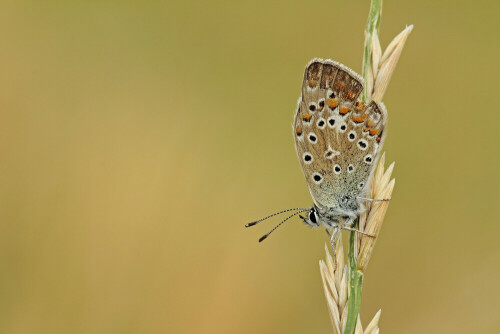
x,y
312,216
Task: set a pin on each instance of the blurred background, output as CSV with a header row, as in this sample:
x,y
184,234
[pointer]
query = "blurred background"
x,y
138,137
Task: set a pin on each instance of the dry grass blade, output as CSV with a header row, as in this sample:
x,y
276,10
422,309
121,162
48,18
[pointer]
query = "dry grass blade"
x,y
335,284
381,187
373,325
388,63
372,72
331,296
337,299
359,327
376,55
334,271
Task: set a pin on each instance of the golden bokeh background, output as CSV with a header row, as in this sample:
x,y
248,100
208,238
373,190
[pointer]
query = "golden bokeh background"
x,y
138,138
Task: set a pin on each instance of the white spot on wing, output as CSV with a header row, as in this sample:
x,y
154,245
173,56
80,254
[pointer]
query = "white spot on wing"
x,y
311,90
313,139
312,107
321,123
337,169
330,153
331,122
362,144
342,127
351,136
309,160
317,178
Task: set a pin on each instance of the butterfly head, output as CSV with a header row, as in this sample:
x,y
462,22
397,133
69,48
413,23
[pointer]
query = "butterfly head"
x,y
348,207
312,219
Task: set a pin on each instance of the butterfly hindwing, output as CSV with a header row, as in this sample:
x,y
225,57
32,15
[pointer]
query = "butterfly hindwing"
x,y
337,138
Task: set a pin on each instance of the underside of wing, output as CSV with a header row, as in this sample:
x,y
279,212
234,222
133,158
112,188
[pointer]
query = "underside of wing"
x,y
337,137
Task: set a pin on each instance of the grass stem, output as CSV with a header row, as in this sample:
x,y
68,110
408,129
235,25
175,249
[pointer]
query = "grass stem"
x,y
355,286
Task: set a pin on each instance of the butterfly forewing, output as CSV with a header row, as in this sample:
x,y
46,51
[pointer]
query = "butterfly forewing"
x,y
337,137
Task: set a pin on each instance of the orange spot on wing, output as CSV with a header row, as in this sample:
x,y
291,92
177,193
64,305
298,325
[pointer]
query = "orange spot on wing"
x,y
339,86
359,119
312,83
343,110
307,117
298,131
332,103
360,106
350,95
370,123
373,132
378,139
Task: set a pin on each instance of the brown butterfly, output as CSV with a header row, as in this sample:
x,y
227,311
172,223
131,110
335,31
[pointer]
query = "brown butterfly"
x,y
338,140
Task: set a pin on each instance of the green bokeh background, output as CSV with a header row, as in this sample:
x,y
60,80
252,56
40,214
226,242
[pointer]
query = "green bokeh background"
x,y
137,138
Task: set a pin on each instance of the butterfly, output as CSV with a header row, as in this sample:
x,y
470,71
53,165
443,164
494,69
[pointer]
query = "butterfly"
x,y
338,140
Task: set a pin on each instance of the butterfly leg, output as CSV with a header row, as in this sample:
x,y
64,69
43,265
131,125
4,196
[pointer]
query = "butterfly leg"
x,y
333,242
347,225
374,200
358,231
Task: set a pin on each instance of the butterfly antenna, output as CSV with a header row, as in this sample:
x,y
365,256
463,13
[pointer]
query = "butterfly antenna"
x,y
274,214
267,234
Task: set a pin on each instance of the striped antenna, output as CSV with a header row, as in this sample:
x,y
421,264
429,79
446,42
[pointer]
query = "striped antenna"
x,y
274,214
267,234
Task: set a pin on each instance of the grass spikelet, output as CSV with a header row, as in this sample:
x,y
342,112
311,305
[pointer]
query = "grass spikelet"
x,y
343,281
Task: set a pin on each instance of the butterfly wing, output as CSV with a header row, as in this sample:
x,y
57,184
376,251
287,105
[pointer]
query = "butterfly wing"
x,y
337,138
